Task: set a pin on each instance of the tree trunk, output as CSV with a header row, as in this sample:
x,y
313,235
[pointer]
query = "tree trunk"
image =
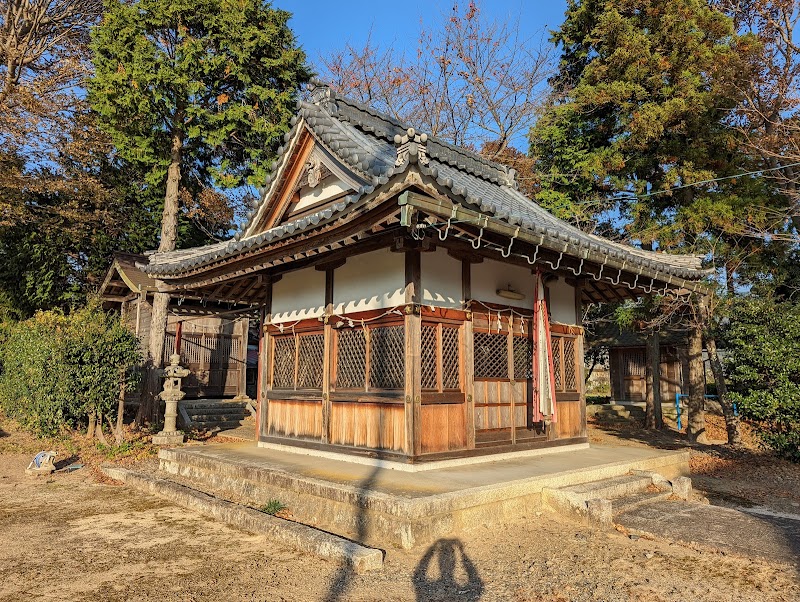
x,y
149,406
99,430
92,422
731,420
696,420
119,432
653,419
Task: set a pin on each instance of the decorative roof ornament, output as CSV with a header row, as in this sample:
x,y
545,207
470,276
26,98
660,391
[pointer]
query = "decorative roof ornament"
x,y
314,171
411,148
321,95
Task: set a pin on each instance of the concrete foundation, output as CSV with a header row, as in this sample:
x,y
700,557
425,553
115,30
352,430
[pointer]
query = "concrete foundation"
x,y
383,507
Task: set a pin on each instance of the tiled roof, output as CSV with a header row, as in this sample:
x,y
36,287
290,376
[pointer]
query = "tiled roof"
x,y
610,334
366,141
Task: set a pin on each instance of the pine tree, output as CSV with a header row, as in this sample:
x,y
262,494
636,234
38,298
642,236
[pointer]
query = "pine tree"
x,y
643,97
195,91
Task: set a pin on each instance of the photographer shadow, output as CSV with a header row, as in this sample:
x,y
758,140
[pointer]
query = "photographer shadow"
x,y
456,577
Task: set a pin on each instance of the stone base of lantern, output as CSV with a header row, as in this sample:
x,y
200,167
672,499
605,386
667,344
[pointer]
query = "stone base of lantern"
x,y
168,438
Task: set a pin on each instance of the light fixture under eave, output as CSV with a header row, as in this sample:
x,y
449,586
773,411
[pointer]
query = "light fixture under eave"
x,y
510,293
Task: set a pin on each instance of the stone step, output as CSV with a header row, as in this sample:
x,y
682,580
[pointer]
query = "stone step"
x,y
624,504
212,405
214,425
611,488
218,409
613,415
220,418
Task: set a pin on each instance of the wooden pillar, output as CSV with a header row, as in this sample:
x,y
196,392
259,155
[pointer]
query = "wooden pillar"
x,y
512,383
264,350
244,329
138,314
579,351
178,336
695,419
653,419
413,359
468,353
327,361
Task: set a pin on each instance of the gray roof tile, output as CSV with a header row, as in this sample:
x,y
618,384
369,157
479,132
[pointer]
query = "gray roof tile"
x,y
363,139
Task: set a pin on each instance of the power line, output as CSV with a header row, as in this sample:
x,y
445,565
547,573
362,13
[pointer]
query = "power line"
x,y
712,180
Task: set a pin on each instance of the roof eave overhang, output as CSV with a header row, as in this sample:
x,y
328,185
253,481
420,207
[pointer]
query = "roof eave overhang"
x,y
447,210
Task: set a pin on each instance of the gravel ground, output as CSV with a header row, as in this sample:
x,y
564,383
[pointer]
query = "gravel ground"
x,y
69,537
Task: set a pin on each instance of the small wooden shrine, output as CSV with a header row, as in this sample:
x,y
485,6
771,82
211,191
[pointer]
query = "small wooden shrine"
x,y
414,304
212,344
627,361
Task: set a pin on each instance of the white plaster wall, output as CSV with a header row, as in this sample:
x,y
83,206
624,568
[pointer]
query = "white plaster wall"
x,y
332,187
441,279
490,275
373,280
562,302
298,295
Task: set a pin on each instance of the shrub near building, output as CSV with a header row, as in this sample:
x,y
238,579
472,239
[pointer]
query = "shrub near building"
x,y
763,366
65,369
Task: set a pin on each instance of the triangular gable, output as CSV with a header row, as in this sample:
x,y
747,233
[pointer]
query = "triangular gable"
x,y
308,178
124,279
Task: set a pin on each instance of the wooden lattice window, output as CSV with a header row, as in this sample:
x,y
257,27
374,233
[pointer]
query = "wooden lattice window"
x,y
451,358
570,365
429,345
298,361
565,364
310,359
351,365
387,368
373,356
441,360
491,355
634,362
523,358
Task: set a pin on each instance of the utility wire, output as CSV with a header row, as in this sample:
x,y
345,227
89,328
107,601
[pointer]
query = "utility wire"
x,y
711,181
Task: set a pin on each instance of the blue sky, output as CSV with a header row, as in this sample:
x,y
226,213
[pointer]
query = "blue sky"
x,y
322,27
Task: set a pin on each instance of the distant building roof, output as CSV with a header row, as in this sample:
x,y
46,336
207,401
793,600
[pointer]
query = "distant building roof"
x,y
124,278
610,334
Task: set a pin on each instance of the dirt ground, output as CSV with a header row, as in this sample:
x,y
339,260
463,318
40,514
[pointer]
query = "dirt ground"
x,y
70,537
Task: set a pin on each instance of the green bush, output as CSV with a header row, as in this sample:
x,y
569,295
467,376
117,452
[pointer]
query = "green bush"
x,y
762,340
56,369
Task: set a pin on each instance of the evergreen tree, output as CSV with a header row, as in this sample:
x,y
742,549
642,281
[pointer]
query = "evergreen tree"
x,y
644,94
198,92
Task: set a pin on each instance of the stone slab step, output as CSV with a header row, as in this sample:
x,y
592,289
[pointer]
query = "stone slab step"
x,y
610,488
302,537
214,425
627,503
613,415
217,417
210,405
220,409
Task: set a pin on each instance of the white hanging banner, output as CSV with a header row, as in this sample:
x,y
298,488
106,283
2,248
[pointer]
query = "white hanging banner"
x,y
544,388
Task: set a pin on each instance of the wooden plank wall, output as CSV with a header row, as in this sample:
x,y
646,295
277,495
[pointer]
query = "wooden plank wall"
x,y
443,427
493,404
372,425
295,418
569,422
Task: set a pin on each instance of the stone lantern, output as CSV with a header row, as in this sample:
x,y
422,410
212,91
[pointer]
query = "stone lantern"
x,y
171,395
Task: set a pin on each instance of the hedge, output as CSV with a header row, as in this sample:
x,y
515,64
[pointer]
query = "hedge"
x,y
57,369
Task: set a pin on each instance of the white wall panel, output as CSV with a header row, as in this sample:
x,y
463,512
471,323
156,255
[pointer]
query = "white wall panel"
x,y
373,280
562,302
298,295
441,279
490,275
